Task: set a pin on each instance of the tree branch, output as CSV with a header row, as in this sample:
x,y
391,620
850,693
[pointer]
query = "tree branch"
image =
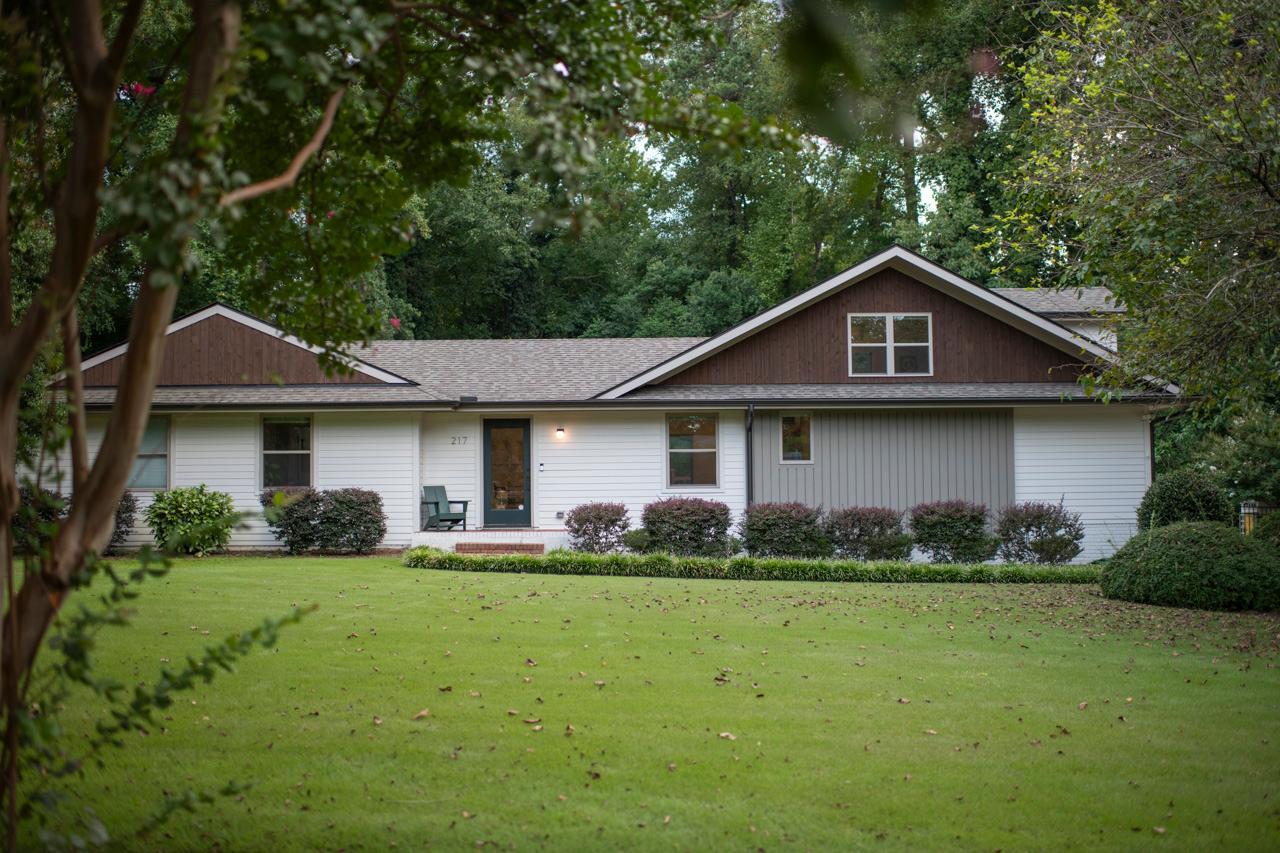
x,y
6,253
124,34
75,400
289,176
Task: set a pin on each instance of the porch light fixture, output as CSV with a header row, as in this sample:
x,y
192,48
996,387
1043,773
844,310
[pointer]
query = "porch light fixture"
x,y
559,432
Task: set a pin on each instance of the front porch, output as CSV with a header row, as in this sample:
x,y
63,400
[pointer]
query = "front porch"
x,y
492,537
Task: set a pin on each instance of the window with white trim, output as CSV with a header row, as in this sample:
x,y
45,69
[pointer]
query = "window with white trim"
x,y
692,452
890,345
797,441
286,451
151,467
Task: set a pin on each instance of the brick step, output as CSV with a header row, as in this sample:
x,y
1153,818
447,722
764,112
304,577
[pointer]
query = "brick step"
x,y
500,548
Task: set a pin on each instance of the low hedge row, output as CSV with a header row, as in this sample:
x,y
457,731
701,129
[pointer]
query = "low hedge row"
x,y
743,568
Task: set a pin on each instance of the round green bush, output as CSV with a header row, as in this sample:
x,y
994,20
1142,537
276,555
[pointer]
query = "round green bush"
x,y
191,520
1187,494
1200,564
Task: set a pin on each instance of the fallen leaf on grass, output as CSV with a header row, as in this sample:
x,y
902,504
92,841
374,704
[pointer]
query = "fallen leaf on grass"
x,y
728,736
1083,705
423,714
569,730
377,721
904,701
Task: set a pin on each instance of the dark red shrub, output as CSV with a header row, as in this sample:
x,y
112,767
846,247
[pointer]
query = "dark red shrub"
x,y
689,526
868,533
597,528
784,530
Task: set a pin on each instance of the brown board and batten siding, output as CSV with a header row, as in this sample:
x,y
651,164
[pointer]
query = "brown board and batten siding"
x,y
220,351
813,344
894,458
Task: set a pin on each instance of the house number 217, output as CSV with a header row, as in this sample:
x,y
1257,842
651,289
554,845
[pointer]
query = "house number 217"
x,y
457,439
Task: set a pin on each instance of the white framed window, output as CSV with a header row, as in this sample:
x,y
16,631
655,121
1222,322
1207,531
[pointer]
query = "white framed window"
x,y
891,344
286,451
797,438
693,457
150,471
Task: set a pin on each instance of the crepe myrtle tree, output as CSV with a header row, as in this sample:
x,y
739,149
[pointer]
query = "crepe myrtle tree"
x,y
290,135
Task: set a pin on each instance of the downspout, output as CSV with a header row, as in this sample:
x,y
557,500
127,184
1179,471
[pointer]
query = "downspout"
x,y
751,418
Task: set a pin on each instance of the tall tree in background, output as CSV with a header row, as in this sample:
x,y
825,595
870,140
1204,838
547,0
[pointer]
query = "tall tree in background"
x,y
1156,134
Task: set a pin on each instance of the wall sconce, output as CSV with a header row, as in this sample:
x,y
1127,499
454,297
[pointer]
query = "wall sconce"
x,y
559,432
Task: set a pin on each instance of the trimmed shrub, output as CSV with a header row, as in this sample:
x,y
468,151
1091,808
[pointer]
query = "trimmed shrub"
x,y
1200,564
637,540
336,520
421,556
126,515
35,522
868,533
1187,494
1036,532
953,532
688,526
742,568
351,520
597,528
784,530
1267,529
191,520
292,513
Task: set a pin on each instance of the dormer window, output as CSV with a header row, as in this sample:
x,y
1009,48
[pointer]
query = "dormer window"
x,y
890,345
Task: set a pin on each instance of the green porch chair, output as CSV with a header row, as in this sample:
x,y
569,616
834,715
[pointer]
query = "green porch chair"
x,y
437,510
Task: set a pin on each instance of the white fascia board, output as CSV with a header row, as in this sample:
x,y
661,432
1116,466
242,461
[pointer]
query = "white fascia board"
x,y
903,260
258,325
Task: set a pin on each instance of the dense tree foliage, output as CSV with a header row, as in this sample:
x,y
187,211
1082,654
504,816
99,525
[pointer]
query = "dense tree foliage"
x,y
686,238
1155,127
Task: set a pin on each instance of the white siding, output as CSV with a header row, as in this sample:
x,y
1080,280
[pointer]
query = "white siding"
x,y
369,450
1095,459
220,450
621,456
375,451
604,456
451,457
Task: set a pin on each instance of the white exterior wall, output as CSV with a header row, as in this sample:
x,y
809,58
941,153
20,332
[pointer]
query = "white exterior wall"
x,y
1095,459
376,451
368,450
452,457
603,456
621,456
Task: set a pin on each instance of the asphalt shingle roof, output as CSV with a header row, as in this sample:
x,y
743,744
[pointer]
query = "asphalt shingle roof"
x,y
525,370
1063,303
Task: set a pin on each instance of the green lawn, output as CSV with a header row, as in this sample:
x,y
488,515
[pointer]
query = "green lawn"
x,y
624,712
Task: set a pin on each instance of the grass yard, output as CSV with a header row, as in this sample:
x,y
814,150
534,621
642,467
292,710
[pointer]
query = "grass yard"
x,y
572,712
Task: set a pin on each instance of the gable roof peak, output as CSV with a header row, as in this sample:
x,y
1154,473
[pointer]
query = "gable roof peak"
x,y
905,260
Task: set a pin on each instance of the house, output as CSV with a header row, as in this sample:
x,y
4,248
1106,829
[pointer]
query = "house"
x,y
892,383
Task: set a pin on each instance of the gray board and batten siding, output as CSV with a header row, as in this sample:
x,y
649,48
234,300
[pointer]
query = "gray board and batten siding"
x,y
894,458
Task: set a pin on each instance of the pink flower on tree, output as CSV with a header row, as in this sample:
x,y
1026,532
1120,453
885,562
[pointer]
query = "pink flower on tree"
x,y
395,323
139,90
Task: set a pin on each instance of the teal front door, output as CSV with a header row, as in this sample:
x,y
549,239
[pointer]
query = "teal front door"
x,y
506,474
